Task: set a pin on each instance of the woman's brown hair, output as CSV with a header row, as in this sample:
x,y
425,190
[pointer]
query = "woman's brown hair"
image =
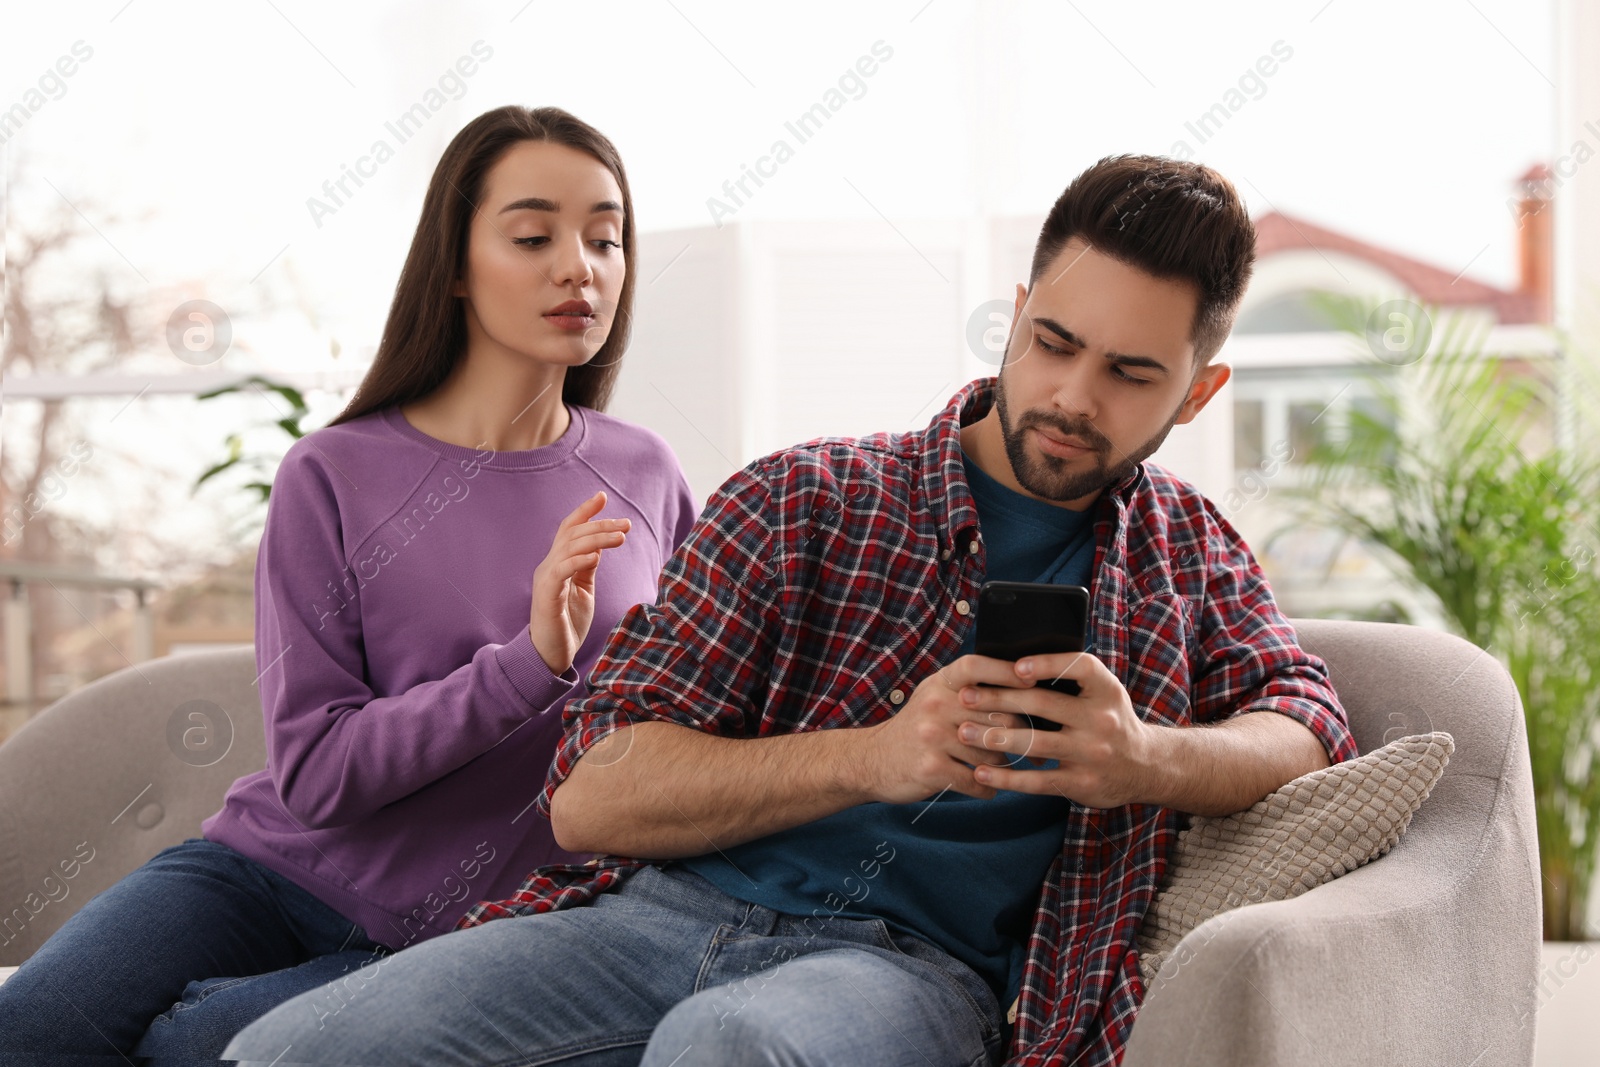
x,y
426,332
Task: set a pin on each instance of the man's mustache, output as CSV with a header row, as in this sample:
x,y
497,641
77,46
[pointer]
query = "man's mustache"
x,y
1083,430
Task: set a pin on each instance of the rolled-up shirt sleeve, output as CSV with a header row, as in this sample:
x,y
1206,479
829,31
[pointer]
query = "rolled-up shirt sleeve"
x,y
1251,657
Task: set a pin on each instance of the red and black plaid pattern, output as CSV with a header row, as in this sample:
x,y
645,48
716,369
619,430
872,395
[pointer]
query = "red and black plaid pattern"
x,y
821,579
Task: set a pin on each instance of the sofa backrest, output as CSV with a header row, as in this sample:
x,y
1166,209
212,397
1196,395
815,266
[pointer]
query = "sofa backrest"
x,y
109,775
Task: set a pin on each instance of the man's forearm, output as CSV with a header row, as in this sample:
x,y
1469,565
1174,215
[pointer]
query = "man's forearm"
x,y
662,791
1223,768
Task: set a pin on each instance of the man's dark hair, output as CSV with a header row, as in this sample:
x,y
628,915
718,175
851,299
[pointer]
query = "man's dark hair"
x,y
1169,218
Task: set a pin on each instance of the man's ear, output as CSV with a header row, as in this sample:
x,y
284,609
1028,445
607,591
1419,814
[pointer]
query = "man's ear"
x,y
1211,378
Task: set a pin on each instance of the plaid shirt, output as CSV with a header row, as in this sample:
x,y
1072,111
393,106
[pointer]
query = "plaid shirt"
x,y
823,582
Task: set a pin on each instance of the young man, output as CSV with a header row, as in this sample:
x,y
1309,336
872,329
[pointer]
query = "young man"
x,y
847,845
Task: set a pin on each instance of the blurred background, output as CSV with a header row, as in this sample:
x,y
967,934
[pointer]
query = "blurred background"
x,y
206,207
270,159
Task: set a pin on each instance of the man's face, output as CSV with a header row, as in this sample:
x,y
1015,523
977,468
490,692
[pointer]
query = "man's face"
x,y
1099,367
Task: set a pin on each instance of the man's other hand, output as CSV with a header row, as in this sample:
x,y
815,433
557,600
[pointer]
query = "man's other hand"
x,y
919,752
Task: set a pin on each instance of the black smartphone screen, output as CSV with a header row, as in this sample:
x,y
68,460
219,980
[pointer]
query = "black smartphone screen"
x,y
1017,619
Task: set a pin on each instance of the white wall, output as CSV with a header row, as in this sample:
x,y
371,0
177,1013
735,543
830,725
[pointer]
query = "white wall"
x,y
682,377
1577,197
757,336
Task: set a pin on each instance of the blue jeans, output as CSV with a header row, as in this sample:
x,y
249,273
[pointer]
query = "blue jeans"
x,y
665,970
173,961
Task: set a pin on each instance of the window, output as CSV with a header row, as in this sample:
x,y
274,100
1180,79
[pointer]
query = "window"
x,y
1308,427
1248,433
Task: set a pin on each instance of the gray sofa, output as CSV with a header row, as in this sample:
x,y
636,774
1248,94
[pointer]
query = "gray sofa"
x,y
117,770
1427,955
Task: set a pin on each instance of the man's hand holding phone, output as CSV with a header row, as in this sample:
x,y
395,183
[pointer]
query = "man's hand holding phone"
x,y
1027,691
1107,756
1077,713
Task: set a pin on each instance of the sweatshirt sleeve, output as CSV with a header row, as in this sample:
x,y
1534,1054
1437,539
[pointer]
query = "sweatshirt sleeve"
x,y
336,750
681,514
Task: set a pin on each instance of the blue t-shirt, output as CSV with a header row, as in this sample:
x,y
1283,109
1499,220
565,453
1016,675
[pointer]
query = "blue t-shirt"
x,y
962,873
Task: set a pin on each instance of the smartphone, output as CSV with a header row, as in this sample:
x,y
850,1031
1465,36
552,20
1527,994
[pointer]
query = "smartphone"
x,y
1017,619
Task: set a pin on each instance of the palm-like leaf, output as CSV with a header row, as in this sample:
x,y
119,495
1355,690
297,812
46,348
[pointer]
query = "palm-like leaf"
x,y
1443,484
261,465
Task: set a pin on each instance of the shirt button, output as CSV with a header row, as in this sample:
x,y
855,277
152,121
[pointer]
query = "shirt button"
x,y
897,697
962,607
972,545
945,554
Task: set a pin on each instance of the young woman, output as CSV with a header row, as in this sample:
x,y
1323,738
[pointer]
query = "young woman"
x,y
440,568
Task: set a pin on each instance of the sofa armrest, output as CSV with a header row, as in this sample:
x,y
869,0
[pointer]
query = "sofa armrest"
x,y
1424,955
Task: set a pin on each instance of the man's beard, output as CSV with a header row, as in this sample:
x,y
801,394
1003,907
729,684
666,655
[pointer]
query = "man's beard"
x,y
1047,476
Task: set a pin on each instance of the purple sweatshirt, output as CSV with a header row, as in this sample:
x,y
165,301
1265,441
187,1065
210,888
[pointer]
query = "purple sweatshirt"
x,y
409,719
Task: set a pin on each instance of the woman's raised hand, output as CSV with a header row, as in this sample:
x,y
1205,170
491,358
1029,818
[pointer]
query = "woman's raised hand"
x,y
563,585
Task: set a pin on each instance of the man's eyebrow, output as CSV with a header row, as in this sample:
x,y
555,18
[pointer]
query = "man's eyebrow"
x,y
539,203
1148,362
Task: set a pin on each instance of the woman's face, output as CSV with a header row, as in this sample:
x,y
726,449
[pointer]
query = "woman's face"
x,y
544,256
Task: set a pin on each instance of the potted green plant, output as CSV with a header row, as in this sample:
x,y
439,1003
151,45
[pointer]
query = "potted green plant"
x,y
1457,477
259,468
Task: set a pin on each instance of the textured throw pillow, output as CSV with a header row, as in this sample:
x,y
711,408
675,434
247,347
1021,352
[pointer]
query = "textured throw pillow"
x,y
1312,830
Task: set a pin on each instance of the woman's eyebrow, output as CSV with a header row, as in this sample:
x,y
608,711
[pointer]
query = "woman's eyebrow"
x,y
539,203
